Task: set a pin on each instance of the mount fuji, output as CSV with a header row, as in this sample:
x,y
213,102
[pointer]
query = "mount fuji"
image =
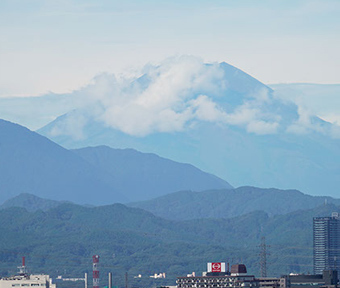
x,y
213,116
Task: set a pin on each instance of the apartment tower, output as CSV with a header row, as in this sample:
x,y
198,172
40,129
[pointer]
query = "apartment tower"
x,y
326,243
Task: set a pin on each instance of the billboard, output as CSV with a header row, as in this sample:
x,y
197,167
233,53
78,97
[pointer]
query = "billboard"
x,y
216,267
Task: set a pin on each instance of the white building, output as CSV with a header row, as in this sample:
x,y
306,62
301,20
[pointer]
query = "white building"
x,y
27,281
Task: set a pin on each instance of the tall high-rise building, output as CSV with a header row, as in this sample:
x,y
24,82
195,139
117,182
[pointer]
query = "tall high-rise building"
x,y
326,239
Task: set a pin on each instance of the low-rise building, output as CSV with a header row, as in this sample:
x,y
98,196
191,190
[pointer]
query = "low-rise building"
x,y
272,282
23,279
329,279
217,277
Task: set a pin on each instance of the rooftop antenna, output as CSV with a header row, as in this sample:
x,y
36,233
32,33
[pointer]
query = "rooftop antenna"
x,y
22,269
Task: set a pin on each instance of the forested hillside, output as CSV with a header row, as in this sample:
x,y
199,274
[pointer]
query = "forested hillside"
x,y
63,240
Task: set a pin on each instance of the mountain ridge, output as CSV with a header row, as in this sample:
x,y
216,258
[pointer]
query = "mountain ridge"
x,y
31,163
187,205
150,172
210,204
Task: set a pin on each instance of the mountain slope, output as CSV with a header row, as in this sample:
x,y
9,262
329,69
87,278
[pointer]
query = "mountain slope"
x,y
30,163
146,176
185,205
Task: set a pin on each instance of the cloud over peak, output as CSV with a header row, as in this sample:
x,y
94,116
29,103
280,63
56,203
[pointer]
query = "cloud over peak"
x,y
178,93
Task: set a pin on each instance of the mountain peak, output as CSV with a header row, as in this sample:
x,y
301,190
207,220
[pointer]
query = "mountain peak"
x,y
30,202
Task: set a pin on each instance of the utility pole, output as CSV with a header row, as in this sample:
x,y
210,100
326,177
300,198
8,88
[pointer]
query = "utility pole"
x,y
263,257
126,279
110,280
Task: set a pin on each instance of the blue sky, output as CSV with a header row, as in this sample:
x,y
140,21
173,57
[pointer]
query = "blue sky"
x,y
60,46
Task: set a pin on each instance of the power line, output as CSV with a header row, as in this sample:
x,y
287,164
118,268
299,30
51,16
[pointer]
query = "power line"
x,y
263,257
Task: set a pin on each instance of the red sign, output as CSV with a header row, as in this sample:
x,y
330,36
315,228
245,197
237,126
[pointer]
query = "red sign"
x,y
216,267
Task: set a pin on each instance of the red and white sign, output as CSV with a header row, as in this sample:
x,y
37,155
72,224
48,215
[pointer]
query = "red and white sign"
x,y
216,267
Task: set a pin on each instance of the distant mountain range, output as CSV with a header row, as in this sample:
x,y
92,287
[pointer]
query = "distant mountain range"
x,y
222,120
135,241
30,163
185,205
213,204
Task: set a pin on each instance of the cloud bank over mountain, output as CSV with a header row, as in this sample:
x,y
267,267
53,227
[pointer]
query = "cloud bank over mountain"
x,y
177,94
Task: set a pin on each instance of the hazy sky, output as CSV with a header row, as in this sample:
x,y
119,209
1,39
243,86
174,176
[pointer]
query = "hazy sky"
x,y
61,45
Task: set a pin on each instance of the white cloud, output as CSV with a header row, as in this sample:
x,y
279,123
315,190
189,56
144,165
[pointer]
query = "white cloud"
x,y
207,110
307,123
243,115
256,115
163,105
163,101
